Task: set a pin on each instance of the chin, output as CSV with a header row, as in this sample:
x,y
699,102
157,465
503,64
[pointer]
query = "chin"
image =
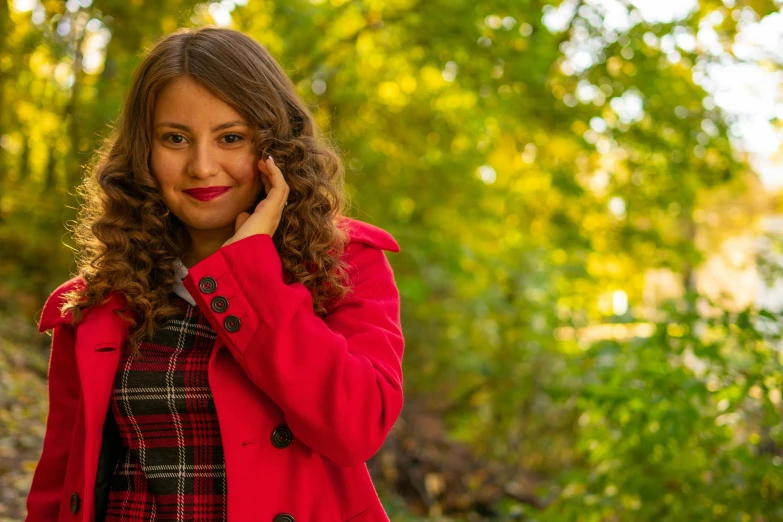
x,y
207,223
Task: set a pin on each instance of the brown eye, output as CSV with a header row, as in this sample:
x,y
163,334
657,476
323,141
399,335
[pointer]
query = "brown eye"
x,y
173,136
234,138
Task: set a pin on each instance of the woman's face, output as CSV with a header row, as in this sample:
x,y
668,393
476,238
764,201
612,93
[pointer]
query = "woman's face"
x,y
199,141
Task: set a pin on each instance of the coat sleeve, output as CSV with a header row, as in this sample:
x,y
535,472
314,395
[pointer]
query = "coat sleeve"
x,y
339,380
43,501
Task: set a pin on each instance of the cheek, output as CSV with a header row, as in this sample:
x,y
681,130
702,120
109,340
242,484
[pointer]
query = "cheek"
x,y
245,170
165,166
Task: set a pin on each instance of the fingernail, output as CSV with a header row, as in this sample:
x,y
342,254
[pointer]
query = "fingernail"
x,y
271,158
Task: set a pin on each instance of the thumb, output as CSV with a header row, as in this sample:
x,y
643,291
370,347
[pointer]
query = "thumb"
x,y
241,218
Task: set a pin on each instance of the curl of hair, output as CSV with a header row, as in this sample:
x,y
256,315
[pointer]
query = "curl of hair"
x,y
127,240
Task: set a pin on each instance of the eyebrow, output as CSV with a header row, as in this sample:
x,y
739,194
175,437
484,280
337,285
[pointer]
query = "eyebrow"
x,y
222,126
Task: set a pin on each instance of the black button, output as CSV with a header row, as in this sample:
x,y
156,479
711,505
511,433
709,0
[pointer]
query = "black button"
x,y
281,437
219,303
283,517
75,503
231,323
207,284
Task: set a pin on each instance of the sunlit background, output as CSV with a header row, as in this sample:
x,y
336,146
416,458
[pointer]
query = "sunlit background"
x,y
586,194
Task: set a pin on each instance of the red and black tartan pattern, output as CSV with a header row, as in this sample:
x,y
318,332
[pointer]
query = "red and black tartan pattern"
x,y
171,466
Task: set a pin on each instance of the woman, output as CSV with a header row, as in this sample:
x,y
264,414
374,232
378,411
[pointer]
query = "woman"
x,y
231,348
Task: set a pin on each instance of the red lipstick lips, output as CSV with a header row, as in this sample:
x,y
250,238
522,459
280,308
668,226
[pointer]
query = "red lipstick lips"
x,y
205,194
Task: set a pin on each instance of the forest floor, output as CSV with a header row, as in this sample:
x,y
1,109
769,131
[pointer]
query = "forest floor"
x,y
24,356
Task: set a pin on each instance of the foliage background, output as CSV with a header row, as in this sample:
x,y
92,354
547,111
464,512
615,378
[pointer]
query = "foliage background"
x,y
569,353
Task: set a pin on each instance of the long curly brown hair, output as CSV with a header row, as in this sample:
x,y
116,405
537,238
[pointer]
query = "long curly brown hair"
x,y
128,242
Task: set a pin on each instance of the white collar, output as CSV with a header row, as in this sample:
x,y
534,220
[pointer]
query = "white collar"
x,y
179,288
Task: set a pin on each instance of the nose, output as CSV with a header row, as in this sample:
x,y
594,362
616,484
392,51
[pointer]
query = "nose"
x,y
203,160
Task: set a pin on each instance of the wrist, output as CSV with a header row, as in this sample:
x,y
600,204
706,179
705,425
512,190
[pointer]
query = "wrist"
x,y
234,239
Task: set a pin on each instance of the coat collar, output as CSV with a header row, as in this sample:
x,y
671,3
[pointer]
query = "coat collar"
x,y
107,315
361,232
51,315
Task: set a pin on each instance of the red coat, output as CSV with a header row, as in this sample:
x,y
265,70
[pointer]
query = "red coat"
x,y
336,384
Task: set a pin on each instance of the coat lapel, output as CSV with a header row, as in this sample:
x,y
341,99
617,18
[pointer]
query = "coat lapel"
x,y
100,338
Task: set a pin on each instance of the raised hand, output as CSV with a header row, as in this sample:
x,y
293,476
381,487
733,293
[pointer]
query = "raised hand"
x,y
266,216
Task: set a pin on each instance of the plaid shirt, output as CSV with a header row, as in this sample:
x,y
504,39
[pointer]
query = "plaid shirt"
x,y
171,466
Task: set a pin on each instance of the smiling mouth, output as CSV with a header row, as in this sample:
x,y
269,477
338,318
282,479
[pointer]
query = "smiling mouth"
x,y
206,194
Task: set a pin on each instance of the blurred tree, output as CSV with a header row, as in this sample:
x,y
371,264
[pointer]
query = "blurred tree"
x,y
532,159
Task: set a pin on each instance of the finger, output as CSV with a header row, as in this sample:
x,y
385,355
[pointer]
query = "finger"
x,y
264,174
279,191
274,172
